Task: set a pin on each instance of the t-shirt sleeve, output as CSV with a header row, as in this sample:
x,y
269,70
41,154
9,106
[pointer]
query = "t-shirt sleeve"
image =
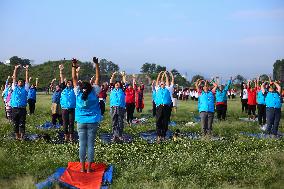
x,y
27,86
76,90
13,86
97,89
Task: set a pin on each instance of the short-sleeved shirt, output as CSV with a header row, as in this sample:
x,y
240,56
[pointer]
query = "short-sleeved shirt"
x,y
19,97
87,111
251,96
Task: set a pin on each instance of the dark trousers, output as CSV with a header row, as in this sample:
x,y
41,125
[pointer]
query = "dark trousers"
x,y
130,107
31,105
221,110
68,116
171,108
117,115
261,109
55,117
244,105
162,119
154,108
273,116
206,122
19,119
251,109
102,106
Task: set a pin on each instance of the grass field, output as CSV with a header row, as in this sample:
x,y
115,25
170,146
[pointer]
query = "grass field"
x,y
236,162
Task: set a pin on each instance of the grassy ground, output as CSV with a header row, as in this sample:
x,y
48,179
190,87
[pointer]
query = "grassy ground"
x,y
236,162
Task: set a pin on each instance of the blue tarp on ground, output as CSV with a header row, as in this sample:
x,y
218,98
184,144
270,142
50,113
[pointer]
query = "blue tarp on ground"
x,y
107,138
151,136
27,137
259,135
173,124
60,138
54,178
48,125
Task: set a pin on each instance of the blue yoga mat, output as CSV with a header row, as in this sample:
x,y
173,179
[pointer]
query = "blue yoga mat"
x,y
151,136
259,135
106,138
27,136
48,125
60,138
173,124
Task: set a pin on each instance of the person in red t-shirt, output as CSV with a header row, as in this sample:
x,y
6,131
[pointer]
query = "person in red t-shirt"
x,y
139,96
102,97
251,99
130,101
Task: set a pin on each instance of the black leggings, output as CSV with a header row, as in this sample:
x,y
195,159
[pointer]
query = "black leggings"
x,y
102,106
31,105
245,105
19,119
68,116
162,120
221,110
130,107
261,112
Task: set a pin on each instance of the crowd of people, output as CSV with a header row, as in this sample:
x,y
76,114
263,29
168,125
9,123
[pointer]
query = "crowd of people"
x,y
84,102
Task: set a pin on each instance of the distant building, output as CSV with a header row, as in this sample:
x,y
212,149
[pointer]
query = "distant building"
x,y
7,62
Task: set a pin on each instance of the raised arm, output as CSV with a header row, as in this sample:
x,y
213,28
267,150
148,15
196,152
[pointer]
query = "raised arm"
x,y
112,77
61,68
7,81
255,84
173,78
158,78
133,80
278,87
15,74
74,74
215,87
36,84
27,73
197,83
262,88
167,80
123,77
96,62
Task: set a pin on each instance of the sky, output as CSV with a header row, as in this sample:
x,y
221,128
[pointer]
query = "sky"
x,y
212,37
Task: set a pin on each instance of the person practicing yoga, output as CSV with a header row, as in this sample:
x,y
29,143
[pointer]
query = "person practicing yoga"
x,y
103,96
221,100
32,96
87,114
6,95
117,107
206,105
163,107
130,100
68,104
153,98
139,96
55,104
251,99
244,97
273,106
19,100
261,106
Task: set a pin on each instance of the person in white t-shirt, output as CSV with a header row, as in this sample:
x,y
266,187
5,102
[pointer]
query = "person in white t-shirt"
x,y
244,97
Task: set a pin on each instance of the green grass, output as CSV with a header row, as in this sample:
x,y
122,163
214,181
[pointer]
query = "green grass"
x,y
236,162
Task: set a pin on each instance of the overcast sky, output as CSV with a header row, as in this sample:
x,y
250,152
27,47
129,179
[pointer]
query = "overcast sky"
x,y
220,37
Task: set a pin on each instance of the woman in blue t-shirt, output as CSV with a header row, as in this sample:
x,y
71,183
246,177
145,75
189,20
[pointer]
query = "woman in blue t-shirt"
x,y
32,96
68,104
87,114
206,105
19,102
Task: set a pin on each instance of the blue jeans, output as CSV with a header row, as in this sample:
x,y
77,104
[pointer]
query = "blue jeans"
x,y
87,134
273,116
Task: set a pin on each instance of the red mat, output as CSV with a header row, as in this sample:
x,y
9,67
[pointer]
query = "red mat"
x,y
74,177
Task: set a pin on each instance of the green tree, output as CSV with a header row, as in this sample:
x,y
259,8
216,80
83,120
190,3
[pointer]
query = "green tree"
x,y
278,66
239,79
14,60
264,77
196,77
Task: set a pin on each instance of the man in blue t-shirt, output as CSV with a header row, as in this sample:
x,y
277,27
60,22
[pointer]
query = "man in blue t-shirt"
x,y
19,103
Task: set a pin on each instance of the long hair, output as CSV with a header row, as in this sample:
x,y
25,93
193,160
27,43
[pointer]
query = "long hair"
x,y
86,87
